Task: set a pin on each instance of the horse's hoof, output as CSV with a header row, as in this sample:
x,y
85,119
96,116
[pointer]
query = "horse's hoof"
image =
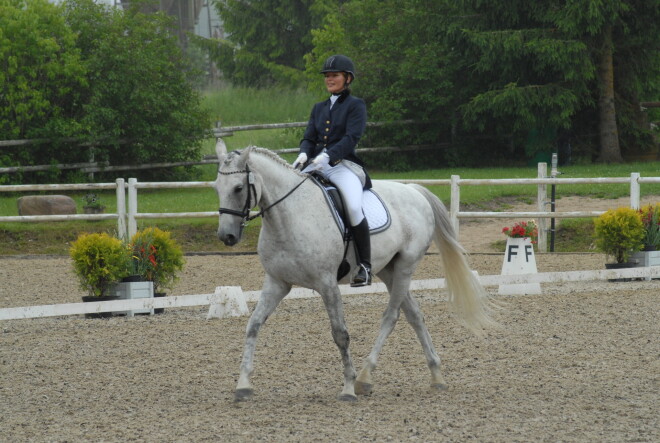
x,y
439,387
362,388
243,394
348,397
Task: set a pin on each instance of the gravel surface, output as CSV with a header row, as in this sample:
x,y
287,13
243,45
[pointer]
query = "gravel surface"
x,y
578,363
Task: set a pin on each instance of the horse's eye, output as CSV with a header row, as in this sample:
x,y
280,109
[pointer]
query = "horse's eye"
x,y
238,189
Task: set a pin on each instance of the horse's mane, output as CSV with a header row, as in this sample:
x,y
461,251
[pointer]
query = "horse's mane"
x,y
275,157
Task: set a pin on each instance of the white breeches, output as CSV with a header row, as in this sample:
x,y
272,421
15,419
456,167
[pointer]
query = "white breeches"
x,y
350,189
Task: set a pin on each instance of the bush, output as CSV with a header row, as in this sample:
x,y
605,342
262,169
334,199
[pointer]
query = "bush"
x,y
113,77
99,261
157,257
651,220
619,233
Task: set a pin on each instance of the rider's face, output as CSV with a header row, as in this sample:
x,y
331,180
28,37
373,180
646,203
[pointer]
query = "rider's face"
x,y
335,82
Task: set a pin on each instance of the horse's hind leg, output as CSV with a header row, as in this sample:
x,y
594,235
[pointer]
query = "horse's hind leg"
x,y
271,295
416,319
398,288
333,305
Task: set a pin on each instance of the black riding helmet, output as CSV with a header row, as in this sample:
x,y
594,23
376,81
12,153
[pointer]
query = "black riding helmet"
x,y
339,63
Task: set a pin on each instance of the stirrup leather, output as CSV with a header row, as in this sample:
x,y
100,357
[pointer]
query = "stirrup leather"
x,y
363,277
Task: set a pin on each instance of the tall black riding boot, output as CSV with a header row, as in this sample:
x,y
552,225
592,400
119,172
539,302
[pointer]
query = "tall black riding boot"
x,y
363,247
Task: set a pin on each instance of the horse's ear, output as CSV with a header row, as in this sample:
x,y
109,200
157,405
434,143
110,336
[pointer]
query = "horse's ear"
x,y
247,151
220,150
245,154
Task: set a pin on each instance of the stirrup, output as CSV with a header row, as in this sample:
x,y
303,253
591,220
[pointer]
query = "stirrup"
x,y
362,278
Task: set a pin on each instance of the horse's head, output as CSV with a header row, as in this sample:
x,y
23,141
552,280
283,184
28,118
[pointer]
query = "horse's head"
x,y
238,192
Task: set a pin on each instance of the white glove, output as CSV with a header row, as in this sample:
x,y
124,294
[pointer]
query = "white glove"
x,y
321,160
301,160
318,163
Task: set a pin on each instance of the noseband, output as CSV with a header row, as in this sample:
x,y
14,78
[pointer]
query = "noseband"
x,y
245,213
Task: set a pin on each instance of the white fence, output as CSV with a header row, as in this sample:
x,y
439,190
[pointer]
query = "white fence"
x,y
128,214
217,298
120,191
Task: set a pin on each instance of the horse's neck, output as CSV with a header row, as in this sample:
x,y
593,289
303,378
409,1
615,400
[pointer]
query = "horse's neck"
x,y
301,211
278,180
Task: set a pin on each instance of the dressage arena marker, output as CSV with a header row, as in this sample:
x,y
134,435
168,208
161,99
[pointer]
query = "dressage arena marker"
x,y
230,302
519,259
222,295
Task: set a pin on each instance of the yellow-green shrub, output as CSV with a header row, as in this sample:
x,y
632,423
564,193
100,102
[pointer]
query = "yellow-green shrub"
x,y
99,261
619,232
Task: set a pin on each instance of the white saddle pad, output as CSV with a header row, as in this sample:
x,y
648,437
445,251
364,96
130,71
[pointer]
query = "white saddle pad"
x,y
374,209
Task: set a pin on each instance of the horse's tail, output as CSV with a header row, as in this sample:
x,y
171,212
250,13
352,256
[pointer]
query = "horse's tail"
x,y
467,296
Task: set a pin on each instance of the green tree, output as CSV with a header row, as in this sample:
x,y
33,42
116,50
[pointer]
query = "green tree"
x,y
622,36
521,73
139,104
41,73
267,39
113,78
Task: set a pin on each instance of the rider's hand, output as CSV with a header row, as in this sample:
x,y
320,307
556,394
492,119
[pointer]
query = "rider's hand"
x,y
321,160
301,160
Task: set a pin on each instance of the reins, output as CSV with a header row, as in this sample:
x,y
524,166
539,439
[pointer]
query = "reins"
x,y
245,214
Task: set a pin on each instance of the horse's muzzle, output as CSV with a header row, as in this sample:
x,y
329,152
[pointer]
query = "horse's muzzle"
x,y
230,235
228,239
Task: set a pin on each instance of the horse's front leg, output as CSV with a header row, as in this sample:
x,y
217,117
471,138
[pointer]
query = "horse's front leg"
x,y
333,305
271,295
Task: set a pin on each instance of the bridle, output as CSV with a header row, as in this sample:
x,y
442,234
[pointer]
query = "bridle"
x,y
245,213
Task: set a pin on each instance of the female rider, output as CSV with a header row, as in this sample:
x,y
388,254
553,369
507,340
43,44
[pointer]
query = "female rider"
x,y
334,129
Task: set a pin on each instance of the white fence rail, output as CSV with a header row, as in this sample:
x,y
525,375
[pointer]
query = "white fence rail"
x,y
128,212
120,191
180,301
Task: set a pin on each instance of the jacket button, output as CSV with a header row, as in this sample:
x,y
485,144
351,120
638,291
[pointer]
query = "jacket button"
x,y
327,129
325,137
327,122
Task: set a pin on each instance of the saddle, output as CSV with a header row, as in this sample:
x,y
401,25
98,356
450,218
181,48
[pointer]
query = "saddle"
x,y
373,207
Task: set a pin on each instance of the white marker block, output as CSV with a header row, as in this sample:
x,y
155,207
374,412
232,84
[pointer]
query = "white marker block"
x,y
228,301
519,259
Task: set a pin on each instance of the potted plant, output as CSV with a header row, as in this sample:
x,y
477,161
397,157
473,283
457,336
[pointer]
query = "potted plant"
x,y
92,204
619,233
523,229
651,220
650,253
160,258
99,261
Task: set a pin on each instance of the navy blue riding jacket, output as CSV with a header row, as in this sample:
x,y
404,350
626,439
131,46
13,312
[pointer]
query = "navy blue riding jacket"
x,y
336,130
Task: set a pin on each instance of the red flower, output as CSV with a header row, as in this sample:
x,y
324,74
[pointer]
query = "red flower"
x,y
522,230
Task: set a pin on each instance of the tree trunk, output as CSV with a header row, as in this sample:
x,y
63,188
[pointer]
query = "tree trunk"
x,y
610,152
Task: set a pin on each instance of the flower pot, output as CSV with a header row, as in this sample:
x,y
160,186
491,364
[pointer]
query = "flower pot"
x,y
93,209
90,298
129,290
132,278
159,310
646,258
619,266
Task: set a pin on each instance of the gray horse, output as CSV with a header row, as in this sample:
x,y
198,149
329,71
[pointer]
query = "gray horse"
x,y
300,244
